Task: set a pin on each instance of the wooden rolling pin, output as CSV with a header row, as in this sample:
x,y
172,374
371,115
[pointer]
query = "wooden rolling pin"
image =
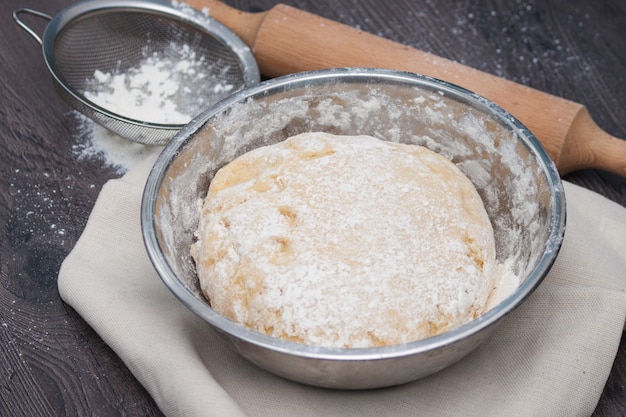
x,y
287,40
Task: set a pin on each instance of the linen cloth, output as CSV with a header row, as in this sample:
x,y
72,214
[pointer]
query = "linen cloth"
x,y
550,357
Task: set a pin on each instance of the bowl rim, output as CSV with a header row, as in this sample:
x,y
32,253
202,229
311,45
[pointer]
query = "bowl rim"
x,y
346,75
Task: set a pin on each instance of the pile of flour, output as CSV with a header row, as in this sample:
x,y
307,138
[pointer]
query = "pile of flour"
x,y
150,92
165,87
95,142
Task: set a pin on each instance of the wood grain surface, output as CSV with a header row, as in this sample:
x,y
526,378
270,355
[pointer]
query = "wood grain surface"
x,y
52,363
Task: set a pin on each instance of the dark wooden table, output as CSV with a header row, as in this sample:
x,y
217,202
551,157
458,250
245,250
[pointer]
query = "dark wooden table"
x,y
52,363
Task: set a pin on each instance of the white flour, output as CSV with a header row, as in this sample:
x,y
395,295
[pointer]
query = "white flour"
x,y
166,87
96,142
185,8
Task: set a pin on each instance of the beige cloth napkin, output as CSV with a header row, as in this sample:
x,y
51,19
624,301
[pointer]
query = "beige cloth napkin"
x,y
551,357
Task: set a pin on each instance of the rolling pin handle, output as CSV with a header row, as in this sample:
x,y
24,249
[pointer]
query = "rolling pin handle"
x,y
588,146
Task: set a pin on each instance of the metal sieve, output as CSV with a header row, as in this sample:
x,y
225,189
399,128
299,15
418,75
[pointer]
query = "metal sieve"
x,y
115,37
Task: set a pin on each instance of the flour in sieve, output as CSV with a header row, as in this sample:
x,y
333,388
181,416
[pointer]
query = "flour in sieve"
x,y
166,87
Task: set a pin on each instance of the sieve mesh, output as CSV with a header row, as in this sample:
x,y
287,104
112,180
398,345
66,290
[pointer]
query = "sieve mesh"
x,y
116,36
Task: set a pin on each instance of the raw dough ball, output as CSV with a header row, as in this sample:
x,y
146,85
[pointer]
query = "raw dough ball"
x,y
344,241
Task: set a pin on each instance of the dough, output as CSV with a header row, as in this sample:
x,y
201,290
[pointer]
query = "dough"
x,y
344,241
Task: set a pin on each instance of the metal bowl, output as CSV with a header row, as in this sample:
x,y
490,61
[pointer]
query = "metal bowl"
x,y
515,177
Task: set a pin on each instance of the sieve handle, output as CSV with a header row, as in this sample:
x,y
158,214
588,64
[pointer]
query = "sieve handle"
x,y
287,40
20,23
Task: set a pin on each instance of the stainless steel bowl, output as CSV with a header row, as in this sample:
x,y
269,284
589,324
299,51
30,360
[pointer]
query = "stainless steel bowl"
x,y
513,174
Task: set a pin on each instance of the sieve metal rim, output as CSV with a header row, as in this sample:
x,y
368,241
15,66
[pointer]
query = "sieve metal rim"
x,y
194,18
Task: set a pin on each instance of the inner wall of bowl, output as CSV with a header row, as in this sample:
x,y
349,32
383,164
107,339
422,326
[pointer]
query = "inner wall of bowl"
x,y
507,174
